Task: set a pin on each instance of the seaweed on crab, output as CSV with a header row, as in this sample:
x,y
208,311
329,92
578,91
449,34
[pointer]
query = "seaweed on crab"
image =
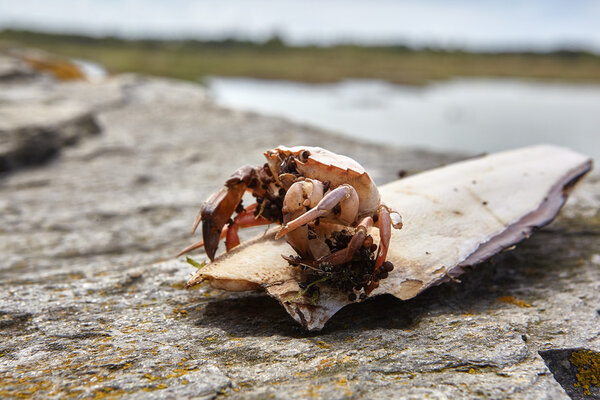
x,y
355,276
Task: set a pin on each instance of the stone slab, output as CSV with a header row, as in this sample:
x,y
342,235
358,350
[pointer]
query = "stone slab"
x,y
92,301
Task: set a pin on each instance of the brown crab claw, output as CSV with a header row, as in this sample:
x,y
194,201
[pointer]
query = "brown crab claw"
x,y
216,212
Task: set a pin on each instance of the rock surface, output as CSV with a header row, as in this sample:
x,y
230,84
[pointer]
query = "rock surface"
x,y
33,133
13,68
92,305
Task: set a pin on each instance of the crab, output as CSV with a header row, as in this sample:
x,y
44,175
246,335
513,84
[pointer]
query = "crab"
x,y
326,204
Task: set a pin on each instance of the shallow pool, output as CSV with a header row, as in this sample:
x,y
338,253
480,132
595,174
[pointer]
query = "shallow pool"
x,y
473,115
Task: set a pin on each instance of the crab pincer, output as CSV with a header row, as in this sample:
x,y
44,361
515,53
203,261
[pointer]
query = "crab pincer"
x,y
217,210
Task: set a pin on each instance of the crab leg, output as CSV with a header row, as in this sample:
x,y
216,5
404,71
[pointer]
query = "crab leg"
x,y
327,203
396,219
197,245
245,219
345,255
197,221
384,224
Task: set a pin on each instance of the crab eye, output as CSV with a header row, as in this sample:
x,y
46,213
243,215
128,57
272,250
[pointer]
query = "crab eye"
x,y
304,155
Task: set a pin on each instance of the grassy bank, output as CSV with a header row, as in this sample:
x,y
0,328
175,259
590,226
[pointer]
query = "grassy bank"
x,y
192,60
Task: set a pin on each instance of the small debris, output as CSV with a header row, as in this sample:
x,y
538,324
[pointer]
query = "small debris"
x,y
195,264
136,274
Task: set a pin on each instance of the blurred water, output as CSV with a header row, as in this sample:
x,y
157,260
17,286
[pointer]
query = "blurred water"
x,y
474,115
93,72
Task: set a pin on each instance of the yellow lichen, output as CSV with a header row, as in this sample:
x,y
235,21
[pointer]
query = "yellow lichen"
x,y
179,312
313,391
512,300
342,382
108,392
321,344
588,369
325,363
178,372
302,374
153,388
178,285
152,378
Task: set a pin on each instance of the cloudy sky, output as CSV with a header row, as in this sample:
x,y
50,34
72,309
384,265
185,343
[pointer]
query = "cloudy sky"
x,y
473,24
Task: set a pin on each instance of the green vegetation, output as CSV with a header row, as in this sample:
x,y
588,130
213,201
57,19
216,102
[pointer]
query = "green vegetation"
x,y
193,60
194,263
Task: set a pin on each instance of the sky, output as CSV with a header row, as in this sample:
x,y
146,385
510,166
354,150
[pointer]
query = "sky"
x,y
470,24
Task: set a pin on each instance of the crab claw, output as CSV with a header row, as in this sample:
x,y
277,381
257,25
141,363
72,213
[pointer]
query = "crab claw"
x,y
215,213
217,210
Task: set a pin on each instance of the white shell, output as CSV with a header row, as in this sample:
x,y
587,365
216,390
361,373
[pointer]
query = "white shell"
x,y
453,216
